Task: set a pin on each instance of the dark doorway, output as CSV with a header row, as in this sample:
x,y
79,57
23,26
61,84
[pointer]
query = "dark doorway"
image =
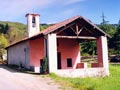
x,y
69,62
41,66
59,60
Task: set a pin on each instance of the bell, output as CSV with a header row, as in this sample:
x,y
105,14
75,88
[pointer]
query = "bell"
x,y
33,20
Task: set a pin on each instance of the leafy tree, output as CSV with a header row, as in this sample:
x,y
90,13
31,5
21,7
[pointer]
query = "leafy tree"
x,y
1,28
44,26
116,40
88,47
4,28
110,29
12,34
3,44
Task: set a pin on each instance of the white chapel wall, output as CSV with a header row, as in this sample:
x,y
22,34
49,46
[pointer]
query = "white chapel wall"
x,y
19,54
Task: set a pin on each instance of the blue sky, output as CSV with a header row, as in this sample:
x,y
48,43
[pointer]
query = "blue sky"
x,y
52,11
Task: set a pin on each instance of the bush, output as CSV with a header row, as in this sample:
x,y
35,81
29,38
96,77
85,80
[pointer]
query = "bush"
x,y
45,65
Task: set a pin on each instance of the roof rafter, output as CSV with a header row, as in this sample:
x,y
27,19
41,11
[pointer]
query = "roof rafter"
x,y
65,27
78,37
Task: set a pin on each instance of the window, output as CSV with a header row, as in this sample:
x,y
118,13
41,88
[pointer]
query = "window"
x,y
33,21
57,42
69,62
41,62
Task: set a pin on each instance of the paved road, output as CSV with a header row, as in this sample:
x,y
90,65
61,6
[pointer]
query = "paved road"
x,y
12,80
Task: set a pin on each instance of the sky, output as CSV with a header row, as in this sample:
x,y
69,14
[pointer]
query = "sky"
x,y
53,11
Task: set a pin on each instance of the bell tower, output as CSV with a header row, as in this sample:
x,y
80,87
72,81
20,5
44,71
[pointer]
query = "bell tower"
x,y
32,24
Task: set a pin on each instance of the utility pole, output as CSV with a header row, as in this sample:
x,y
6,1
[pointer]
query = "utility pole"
x,y
103,18
119,22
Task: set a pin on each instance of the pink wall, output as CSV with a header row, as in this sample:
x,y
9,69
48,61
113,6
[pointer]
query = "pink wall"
x,y
99,52
69,48
36,51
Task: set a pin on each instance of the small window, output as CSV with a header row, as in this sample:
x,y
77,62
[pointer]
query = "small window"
x,y
24,49
69,62
33,21
57,42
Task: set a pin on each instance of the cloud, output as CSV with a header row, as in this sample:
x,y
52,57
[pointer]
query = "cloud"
x,y
67,12
15,8
73,1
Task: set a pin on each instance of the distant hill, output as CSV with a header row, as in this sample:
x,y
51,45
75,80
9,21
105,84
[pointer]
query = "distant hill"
x,y
17,25
15,31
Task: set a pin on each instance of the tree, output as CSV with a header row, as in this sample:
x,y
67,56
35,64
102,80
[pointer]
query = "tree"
x,y
88,48
3,44
1,28
110,29
12,33
4,28
116,40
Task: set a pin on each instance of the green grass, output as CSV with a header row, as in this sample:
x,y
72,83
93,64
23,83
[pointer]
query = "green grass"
x,y
101,83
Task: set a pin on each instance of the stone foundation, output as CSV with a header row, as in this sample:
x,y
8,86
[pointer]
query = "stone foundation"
x,y
88,72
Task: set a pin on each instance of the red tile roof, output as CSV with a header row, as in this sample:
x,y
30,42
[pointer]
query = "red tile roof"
x,y
57,26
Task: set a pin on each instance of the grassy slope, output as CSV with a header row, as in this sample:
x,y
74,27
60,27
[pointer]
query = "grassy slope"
x,y
102,83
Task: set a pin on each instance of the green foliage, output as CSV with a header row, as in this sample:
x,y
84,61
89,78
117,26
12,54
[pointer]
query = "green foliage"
x,y
110,29
45,65
88,48
13,31
3,44
3,28
3,41
101,83
116,40
10,32
44,26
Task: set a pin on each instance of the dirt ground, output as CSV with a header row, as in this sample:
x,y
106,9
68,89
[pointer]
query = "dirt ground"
x,y
13,80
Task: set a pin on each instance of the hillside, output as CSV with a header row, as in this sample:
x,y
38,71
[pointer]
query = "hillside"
x,y
14,31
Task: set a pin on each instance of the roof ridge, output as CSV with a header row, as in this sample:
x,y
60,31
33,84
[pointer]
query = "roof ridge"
x,y
59,24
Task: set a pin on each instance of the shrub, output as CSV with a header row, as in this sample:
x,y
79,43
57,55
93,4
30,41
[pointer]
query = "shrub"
x,y
45,65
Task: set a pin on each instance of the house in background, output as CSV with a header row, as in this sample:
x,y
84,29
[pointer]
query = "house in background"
x,y
60,43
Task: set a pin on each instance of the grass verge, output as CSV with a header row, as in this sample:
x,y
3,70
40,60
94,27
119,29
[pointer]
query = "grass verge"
x,y
101,83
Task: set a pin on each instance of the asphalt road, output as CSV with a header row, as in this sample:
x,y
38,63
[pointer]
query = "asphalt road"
x,y
12,80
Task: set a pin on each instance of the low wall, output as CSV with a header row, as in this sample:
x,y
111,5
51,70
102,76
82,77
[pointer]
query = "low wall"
x,y
88,72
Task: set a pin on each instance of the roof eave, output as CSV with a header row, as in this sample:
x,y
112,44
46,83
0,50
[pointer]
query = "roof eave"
x,y
105,34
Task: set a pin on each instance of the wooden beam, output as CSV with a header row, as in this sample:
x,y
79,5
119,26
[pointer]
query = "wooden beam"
x,y
80,30
73,30
78,37
92,31
65,27
77,29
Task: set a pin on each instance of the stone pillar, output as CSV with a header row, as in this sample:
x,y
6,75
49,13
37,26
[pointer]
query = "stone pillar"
x,y
52,52
102,51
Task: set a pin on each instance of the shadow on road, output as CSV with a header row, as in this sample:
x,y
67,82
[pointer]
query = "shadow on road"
x,y
4,66
17,70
